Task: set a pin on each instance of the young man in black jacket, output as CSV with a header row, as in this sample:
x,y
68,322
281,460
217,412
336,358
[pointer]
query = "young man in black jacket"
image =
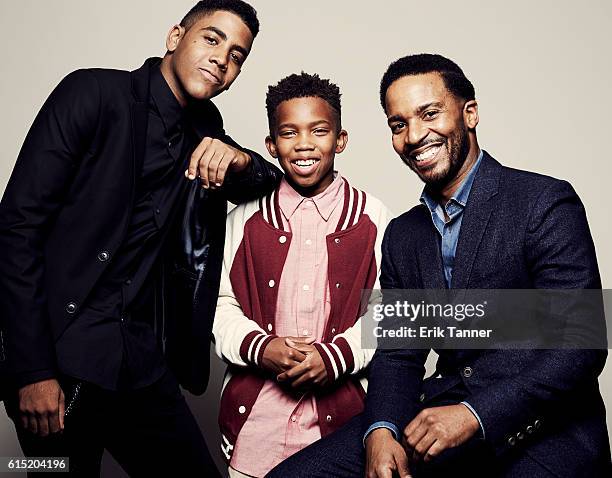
x,y
110,257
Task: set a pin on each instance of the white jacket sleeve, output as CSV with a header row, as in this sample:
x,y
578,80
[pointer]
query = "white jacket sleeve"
x,y
238,339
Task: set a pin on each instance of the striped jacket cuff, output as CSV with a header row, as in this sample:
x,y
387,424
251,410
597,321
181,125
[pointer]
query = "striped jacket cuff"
x,y
253,346
337,357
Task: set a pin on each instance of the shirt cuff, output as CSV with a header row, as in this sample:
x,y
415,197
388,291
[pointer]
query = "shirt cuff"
x,y
382,424
471,409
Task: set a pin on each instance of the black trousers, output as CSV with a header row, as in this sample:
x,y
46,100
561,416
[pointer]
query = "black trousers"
x,y
149,431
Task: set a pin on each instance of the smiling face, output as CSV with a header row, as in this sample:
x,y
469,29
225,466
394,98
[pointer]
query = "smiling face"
x,y
306,140
433,131
204,60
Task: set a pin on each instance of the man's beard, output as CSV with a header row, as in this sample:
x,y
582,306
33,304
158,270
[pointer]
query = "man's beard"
x,y
456,158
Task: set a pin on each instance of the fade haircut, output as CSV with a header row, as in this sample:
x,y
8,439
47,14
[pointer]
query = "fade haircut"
x,y
303,85
205,7
454,79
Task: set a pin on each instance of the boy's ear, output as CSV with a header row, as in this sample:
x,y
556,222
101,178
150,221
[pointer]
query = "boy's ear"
x,y
341,141
271,146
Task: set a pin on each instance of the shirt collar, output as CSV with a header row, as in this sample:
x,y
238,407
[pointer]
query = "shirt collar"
x,y
325,202
168,107
461,195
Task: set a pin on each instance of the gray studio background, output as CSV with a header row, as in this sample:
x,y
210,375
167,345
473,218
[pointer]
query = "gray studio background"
x,y
541,71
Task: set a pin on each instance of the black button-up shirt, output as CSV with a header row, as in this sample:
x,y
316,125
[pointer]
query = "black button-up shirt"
x,y
110,344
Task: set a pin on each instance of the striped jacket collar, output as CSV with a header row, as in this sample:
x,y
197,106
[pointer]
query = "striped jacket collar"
x,y
353,206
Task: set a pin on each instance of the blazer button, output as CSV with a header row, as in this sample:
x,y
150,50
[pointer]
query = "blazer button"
x,y
282,239
328,418
271,283
422,398
511,441
537,424
520,435
467,372
269,327
529,430
103,256
241,409
71,307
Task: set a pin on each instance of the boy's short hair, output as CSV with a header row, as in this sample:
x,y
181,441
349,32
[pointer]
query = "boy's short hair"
x,y
454,79
205,7
303,85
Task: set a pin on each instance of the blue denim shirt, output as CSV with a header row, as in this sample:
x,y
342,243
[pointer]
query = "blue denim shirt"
x,y
449,232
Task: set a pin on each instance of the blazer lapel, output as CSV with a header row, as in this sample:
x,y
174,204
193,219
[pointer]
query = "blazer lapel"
x,y
140,112
475,219
429,256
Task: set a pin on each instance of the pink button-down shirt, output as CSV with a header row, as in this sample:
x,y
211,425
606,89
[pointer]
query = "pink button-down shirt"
x,y
281,424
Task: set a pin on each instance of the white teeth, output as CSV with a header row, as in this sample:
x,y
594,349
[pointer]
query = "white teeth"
x,y
305,162
428,154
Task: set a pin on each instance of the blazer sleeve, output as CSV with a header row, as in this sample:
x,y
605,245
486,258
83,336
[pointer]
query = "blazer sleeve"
x,y
561,254
394,383
257,180
49,157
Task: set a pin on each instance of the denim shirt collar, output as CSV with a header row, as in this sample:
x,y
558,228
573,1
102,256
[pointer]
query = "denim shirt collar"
x,y
458,200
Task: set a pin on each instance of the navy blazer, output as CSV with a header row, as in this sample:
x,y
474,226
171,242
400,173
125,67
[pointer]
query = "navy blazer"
x,y
519,230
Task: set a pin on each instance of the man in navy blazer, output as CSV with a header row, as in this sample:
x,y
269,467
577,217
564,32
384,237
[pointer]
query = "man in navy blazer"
x,y
480,225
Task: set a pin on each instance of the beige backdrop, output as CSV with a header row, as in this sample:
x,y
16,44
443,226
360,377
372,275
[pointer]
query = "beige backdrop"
x,y
541,71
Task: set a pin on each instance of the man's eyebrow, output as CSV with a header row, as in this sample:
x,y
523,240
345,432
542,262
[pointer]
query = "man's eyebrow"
x,y
223,36
419,110
221,33
422,108
394,118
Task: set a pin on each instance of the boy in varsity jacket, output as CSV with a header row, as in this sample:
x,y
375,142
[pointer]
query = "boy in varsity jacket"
x,y
290,300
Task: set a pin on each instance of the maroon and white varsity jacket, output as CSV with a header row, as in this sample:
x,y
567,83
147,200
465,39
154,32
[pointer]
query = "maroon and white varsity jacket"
x,y
256,248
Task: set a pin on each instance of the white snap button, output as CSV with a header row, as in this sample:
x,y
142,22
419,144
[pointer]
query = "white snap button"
x,y
269,327
306,287
333,331
293,419
282,239
305,332
337,240
337,285
308,242
328,418
271,283
241,409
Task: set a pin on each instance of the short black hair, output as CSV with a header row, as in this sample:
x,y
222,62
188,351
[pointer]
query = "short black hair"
x,y
205,7
454,79
303,85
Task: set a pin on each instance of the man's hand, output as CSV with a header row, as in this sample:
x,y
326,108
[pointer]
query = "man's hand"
x,y
436,429
384,456
212,159
278,356
311,372
41,407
